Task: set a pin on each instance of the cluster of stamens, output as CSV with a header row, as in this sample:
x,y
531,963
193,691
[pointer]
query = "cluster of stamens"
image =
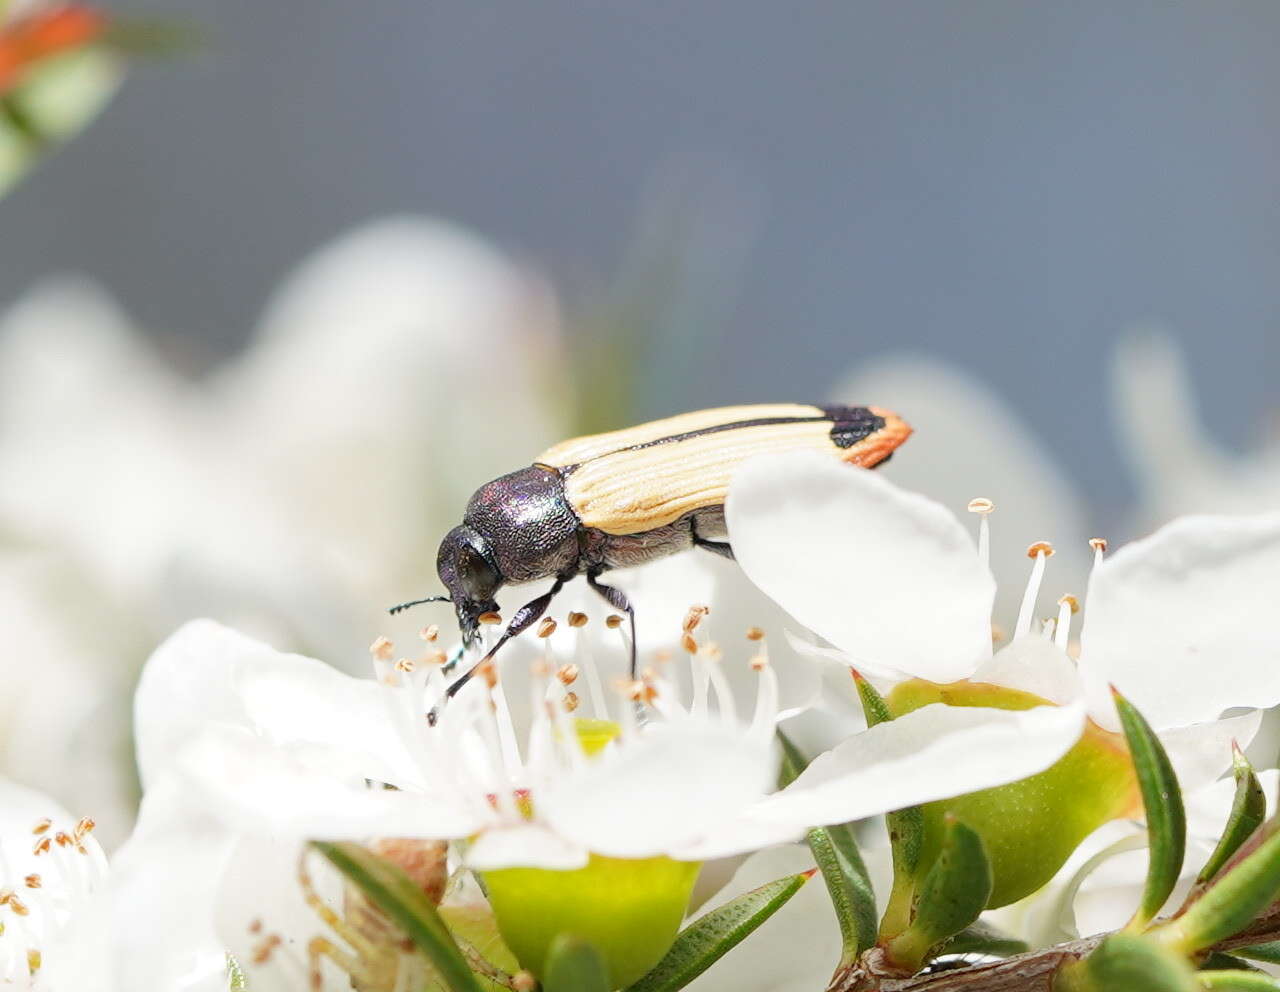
x,y
37,907
1057,627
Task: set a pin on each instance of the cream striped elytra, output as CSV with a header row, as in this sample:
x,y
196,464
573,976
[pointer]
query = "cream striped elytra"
x,y
628,497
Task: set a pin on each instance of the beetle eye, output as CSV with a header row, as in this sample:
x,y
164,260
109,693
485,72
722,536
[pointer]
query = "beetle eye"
x,y
479,578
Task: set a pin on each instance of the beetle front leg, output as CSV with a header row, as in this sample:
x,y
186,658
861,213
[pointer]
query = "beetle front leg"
x,y
616,598
525,617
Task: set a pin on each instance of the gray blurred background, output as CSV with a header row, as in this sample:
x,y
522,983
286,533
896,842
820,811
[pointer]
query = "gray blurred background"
x,y
1004,185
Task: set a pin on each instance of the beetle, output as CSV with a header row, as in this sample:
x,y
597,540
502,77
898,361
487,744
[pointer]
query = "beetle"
x,y
628,497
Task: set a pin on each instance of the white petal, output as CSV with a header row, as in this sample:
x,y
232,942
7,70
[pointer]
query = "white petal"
x,y
932,753
302,792
795,950
1201,752
164,886
1033,665
1178,621
887,576
670,787
968,443
529,845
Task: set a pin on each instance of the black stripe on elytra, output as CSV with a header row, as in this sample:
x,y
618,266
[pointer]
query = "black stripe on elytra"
x,y
850,425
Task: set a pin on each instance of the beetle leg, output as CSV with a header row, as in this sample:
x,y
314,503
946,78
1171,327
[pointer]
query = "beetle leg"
x,y
525,617
722,548
616,598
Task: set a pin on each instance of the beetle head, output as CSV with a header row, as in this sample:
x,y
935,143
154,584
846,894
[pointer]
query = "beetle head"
x,y
468,570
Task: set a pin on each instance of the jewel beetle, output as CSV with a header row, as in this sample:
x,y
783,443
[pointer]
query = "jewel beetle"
x,y
628,497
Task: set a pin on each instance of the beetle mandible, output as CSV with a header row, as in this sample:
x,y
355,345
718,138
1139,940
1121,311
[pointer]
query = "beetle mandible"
x,y
628,497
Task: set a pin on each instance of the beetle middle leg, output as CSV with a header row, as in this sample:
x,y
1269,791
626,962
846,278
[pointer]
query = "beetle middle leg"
x,y
525,617
721,548
616,598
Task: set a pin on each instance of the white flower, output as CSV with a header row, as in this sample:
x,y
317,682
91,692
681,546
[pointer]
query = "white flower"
x,y
897,585
54,917
296,492
1179,467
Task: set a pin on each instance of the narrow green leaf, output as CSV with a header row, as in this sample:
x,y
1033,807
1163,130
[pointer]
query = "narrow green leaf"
x,y
574,965
392,891
835,852
708,938
952,896
981,937
1235,898
1269,953
1132,964
1162,801
905,826
1248,810
1221,961
1238,981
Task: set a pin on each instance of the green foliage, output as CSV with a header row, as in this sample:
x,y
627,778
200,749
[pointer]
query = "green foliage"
x,y
714,934
393,892
1246,886
1162,801
1130,963
835,851
1269,953
574,965
982,938
952,895
1238,981
1248,810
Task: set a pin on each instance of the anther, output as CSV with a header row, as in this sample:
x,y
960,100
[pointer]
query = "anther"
x,y
437,658
84,826
759,663
430,632
1098,543
42,845
382,649
689,644
1070,600
42,826
571,701
567,674
489,617
577,619
488,671
18,906
405,665
694,617
981,505
755,634
62,839
32,881
255,925
547,627
613,621
1040,548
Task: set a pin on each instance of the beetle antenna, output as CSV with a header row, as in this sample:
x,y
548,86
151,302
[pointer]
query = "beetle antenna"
x,y
418,602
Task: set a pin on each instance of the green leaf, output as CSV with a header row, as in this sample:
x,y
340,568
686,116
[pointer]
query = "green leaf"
x,y
952,896
835,852
1248,810
392,891
1250,882
574,965
1269,953
1238,981
1221,961
981,937
906,827
1162,801
1132,964
708,938
235,976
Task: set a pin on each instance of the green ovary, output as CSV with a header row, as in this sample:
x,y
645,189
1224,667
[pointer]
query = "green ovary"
x,y
629,909
1029,827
